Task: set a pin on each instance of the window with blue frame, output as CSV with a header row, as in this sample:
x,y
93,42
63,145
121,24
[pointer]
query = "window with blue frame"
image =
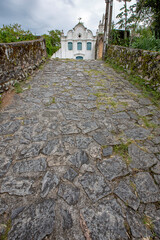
x,y
79,46
89,45
70,46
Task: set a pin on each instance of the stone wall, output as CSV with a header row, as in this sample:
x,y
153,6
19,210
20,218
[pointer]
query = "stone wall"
x,y
19,59
144,63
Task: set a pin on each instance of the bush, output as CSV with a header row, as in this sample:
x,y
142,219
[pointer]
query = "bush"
x,y
52,41
150,43
14,33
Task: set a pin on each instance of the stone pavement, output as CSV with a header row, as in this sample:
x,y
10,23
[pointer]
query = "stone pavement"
x,y
80,157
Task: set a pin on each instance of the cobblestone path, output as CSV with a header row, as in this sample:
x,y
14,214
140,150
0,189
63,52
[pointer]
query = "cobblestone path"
x,y
80,157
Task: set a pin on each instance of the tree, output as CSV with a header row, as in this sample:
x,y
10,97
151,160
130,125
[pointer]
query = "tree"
x,y
150,9
53,41
55,38
123,22
14,33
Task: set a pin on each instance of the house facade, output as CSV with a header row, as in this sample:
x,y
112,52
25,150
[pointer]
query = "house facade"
x,y
78,44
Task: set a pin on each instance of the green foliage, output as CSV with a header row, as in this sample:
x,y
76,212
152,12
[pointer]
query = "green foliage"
x,y
123,18
144,39
150,9
52,41
117,39
148,123
8,228
14,33
122,150
151,43
18,88
53,100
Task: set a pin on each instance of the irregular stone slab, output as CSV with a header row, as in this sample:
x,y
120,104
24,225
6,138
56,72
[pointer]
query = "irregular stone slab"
x,y
32,151
49,182
156,168
51,147
82,142
40,137
30,121
37,165
95,150
140,158
107,152
87,127
3,206
137,133
50,114
17,186
156,140
27,133
70,174
69,129
10,152
100,137
68,141
91,98
124,192
143,111
121,115
105,221
154,217
71,116
4,165
35,222
9,127
79,158
16,211
69,193
157,178
147,190
95,186
138,229
67,219
89,105
112,168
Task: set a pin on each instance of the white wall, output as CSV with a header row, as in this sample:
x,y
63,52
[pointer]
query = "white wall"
x,y
73,36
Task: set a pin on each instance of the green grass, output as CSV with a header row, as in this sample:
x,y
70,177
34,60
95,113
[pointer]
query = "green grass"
x,y
99,94
133,186
123,103
148,123
112,103
29,87
44,86
94,72
18,88
8,228
53,100
122,150
148,222
147,91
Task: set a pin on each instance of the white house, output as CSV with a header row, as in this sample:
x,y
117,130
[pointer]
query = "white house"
x,y
78,44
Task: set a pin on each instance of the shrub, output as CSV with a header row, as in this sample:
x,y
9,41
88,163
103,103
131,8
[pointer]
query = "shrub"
x,y
150,43
14,33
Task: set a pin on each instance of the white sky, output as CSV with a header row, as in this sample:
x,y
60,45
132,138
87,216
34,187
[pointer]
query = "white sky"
x,y
40,16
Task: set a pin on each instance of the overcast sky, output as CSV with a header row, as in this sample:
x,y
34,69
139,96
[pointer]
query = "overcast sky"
x,y
40,16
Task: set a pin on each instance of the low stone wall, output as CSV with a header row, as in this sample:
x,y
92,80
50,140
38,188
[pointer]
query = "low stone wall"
x,y
19,59
145,64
